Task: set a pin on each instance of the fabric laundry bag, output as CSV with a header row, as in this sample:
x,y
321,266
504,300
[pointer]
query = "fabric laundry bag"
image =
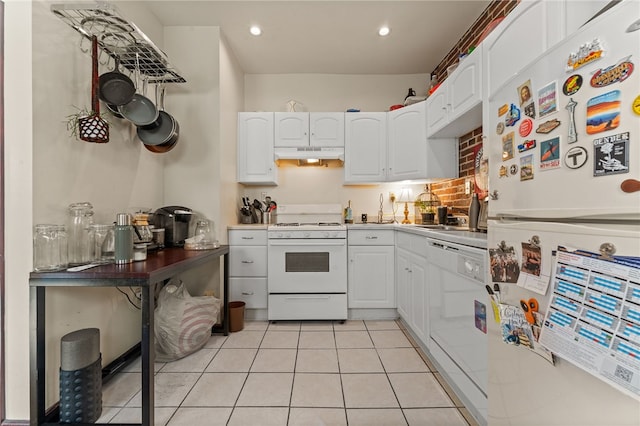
x,y
182,322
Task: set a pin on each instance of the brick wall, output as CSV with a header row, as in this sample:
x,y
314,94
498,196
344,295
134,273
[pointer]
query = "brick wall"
x,y
451,191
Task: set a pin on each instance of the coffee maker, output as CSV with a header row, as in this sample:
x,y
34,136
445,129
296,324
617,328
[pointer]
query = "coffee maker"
x,y
175,221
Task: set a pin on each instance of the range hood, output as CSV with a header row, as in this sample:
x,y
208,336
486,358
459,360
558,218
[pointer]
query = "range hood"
x,y
310,152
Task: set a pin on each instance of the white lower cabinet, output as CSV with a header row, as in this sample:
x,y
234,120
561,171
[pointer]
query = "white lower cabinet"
x,y
371,269
411,283
248,267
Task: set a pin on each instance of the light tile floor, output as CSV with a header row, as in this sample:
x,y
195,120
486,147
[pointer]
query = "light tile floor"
x,y
294,373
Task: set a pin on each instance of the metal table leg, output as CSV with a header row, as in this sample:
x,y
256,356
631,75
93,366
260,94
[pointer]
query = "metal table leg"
x,y
148,355
37,354
225,300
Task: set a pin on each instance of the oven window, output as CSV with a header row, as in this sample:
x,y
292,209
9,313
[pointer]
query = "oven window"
x,y
306,262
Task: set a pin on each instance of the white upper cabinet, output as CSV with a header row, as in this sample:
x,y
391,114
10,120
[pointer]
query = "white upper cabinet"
x,y
393,146
365,147
407,143
455,108
300,129
326,129
291,129
256,163
530,29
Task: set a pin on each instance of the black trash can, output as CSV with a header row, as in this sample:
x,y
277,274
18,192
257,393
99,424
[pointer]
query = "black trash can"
x,y
80,377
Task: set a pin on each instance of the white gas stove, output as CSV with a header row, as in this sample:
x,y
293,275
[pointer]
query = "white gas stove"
x,y
307,274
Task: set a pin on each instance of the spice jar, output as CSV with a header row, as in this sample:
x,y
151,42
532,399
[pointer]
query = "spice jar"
x,y
80,217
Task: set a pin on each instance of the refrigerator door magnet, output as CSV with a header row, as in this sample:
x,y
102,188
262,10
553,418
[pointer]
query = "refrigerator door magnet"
x,y
573,133
603,112
529,307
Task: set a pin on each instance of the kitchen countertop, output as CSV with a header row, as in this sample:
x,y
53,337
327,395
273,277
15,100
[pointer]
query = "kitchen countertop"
x,y
459,235
250,226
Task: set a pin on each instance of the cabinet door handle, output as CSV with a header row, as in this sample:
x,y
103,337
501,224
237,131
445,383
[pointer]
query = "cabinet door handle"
x,y
371,238
247,293
247,261
247,238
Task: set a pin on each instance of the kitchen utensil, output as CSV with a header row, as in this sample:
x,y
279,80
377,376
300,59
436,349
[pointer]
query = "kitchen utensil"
x,y
115,88
94,128
140,110
257,205
272,205
165,130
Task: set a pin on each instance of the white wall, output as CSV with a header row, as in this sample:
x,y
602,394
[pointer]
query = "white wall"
x,y
231,102
119,176
330,92
18,204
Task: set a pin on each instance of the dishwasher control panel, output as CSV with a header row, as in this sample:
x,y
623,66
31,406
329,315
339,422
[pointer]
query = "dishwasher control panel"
x,y
471,267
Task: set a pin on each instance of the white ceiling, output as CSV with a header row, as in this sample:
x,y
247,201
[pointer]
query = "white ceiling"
x,y
330,36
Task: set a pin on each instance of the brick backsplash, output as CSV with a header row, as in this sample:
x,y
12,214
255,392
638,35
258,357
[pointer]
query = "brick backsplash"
x,y
451,191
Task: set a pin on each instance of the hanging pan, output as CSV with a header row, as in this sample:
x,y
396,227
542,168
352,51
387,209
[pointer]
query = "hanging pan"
x,y
164,132
116,88
141,111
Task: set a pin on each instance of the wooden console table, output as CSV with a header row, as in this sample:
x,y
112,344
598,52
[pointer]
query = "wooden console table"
x,y
158,267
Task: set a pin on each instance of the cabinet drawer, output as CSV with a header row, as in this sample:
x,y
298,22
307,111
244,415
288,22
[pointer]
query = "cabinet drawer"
x,y
248,261
374,237
307,307
248,237
252,291
414,243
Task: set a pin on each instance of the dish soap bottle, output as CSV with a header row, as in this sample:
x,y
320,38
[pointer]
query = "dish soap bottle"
x,y
348,214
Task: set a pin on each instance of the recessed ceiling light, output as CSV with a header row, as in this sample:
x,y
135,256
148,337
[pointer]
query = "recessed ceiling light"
x,y
255,30
384,31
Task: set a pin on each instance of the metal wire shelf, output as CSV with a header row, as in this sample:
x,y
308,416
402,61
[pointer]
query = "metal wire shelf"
x,y
120,39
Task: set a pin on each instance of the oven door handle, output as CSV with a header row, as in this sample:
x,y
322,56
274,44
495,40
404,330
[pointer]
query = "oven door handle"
x,y
307,243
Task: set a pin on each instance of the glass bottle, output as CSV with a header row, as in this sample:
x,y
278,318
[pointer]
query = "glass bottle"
x,y
123,239
80,219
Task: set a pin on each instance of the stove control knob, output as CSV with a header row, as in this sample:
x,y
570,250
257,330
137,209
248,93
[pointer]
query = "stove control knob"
x,y
327,234
279,235
307,234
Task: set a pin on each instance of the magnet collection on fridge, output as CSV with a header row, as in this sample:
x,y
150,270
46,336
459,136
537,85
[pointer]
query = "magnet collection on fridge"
x,y
603,112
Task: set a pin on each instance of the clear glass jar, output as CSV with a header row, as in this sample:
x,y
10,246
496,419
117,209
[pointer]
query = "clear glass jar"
x,y
203,229
80,219
45,248
98,235
63,246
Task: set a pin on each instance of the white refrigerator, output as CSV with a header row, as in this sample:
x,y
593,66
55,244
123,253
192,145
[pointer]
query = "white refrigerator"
x,y
563,151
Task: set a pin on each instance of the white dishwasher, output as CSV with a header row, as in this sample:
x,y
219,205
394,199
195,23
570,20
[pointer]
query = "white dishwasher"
x,y
458,319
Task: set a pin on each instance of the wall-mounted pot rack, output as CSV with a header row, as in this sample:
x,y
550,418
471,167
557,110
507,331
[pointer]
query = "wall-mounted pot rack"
x,y
119,38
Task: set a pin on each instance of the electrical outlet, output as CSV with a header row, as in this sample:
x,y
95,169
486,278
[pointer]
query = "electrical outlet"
x,y
392,197
467,187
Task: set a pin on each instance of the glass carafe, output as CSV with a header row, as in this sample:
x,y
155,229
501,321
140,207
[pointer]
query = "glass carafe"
x,y
79,221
